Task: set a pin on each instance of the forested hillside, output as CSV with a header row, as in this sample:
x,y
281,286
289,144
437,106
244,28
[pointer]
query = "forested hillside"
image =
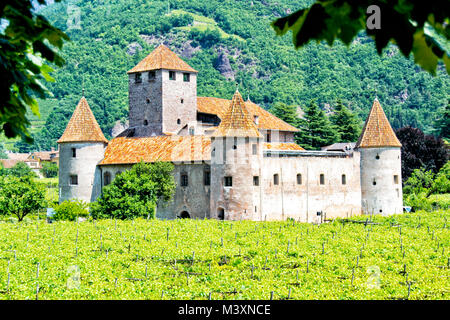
x,y
230,42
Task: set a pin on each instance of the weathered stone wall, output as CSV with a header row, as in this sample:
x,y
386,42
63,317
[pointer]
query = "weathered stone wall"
x,y
302,201
84,165
145,104
235,158
193,198
380,193
179,101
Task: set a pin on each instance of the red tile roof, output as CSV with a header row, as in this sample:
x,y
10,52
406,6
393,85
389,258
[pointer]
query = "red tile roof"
x,y
82,127
282,146
159,148
162,58
266,120
236,121
377,131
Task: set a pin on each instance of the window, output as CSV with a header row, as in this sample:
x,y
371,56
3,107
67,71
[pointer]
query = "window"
x,y
374,182
234,147
344,179
106,178
299,178
396,179
151,76
74,152
268,137
228,181
256,180
178,121
256,119
377,157
207,177
182,100
191,131
73,179
275,179
186,77
137,78
148,100
184,180
172,75
145,122
254,148
322,178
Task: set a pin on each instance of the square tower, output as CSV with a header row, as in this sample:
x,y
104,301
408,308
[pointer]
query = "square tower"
x,y
162,94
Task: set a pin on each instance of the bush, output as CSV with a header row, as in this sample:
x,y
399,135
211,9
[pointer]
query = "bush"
x,y
135,192
441,183
20,169
49,169
71,210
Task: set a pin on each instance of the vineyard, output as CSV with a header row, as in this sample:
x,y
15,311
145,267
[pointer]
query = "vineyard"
x,y
399,257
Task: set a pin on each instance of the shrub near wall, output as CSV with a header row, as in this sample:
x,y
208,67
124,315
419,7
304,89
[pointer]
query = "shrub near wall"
x,y
71,210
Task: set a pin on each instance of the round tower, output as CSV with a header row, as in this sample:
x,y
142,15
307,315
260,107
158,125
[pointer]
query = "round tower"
x,y
81,148
381,180
236,152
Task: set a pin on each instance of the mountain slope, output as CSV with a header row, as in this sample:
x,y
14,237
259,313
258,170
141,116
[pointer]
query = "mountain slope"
x,y
230,42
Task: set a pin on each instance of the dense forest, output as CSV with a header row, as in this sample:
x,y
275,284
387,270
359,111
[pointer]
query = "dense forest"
x,y
231,43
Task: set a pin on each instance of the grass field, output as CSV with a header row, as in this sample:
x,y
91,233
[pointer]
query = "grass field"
x,y
405,256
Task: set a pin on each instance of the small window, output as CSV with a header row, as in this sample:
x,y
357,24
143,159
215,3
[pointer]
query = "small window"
x,y
207,178
137,78
374,182
234,147
178,121
377,157
172,75
148,100
256,119
268,137
344,179
74,179
106,178
184,180
191,131
228,181
182,100
276,179
256,180
299,178
322,178
151,76
74,152
186,77
145,122
396,179
254,148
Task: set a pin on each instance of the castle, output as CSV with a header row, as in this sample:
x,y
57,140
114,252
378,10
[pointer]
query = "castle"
x,y
232,159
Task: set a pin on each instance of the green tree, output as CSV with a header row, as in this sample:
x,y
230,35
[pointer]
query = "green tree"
x,y
135,192
414,26
442,123
3,155
441,183
316,129
345,123
287,113
27,41
20,169
20,196
49,169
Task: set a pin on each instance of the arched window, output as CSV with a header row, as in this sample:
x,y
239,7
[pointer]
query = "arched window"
x,y
185,215
299,178
276,179
322,178
106,178
344,179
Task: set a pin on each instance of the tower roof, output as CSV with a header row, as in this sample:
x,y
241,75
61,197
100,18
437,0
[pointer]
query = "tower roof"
x,y
82,127
236,121
377,131
162,58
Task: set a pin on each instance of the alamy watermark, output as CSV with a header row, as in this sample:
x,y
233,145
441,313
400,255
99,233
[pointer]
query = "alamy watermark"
x,y
374,20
